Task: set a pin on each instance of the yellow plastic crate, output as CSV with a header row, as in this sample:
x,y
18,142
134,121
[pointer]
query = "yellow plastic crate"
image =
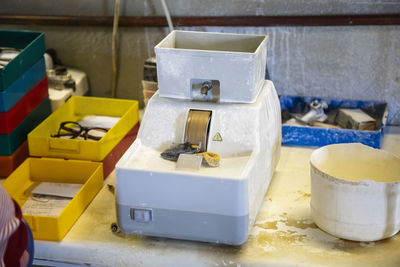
x,y
42,145
34,170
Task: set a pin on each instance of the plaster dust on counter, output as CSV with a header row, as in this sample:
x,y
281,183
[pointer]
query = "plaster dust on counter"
x,y
283,235
286,232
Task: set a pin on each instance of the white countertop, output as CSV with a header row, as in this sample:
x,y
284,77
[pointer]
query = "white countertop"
x,y
284,233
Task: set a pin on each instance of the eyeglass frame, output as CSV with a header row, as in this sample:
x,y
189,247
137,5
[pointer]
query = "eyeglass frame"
x,y
84,131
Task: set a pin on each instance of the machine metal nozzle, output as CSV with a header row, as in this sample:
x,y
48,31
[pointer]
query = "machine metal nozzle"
x,y
206,86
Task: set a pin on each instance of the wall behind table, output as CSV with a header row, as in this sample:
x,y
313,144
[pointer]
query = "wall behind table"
x,y
358,62
89,49
200,8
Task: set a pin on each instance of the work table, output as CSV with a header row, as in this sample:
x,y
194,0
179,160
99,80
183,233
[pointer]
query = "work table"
x,y
284,233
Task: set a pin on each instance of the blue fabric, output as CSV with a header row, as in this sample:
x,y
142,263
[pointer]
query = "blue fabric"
x,y
30,247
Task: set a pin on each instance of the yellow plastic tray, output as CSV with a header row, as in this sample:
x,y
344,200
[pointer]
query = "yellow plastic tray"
x,y
42,145
34,170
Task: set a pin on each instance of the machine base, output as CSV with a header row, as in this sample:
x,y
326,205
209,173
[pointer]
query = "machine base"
x,y
206,227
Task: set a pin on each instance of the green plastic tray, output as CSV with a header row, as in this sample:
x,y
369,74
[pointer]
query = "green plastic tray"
x,y
33,48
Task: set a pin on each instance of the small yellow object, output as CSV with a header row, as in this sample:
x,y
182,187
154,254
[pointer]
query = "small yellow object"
x,y
195,146
212,159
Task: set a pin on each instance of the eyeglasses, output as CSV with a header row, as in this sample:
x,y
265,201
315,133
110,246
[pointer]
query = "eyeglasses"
x,y
73,130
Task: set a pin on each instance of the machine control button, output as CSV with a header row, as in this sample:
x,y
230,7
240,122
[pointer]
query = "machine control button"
x,y
141,215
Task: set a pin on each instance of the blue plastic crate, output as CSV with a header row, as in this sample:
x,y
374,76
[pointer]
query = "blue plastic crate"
x,y
18,89
316,136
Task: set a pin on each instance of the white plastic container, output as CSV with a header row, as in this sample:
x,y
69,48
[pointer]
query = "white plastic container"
x,y
234,62
355,191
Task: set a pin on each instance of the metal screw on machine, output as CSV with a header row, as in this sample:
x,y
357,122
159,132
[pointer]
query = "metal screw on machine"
x,y
206,86
114,227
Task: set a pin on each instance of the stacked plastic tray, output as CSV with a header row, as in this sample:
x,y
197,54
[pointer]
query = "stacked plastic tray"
x,y
60,160
24,104
107,150
37,170
24,101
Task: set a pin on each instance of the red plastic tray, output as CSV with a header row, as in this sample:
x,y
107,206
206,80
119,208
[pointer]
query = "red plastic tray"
x,y
116,153
11,119
9,163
